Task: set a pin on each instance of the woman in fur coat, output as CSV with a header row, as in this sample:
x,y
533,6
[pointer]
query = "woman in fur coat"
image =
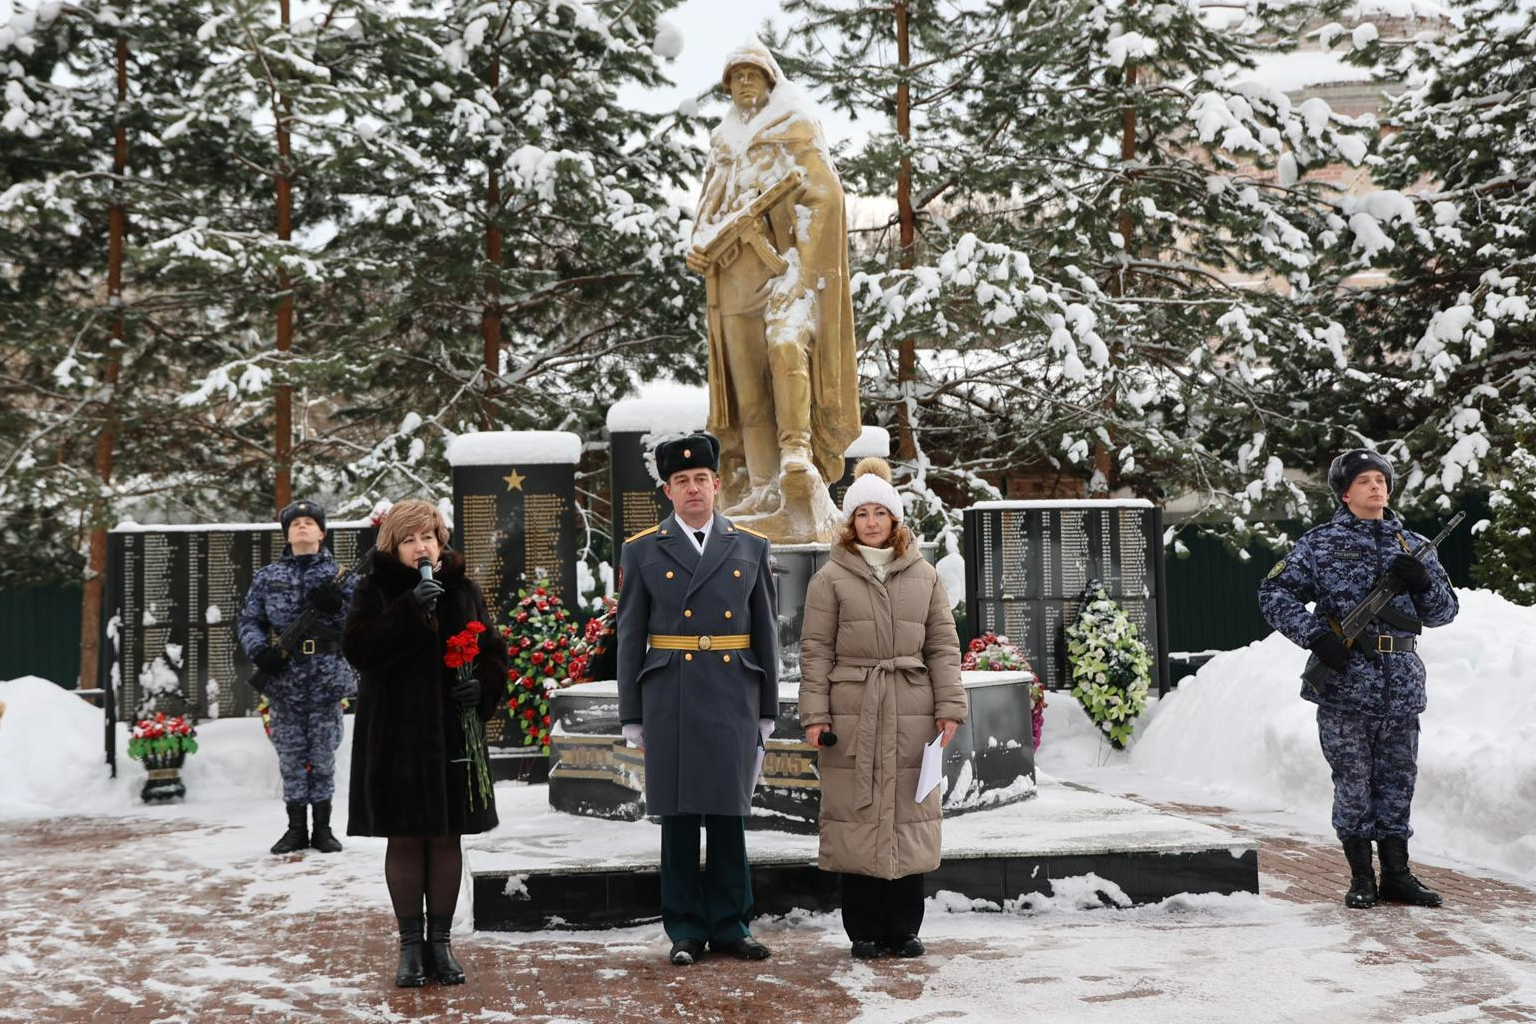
x,y
411,780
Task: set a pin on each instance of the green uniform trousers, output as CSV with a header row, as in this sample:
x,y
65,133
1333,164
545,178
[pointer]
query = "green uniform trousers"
x,y
714,906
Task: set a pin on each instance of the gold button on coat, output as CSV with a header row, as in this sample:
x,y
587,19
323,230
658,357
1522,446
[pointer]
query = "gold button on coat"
x,y
670,574
727,658
736,572
688,657
687,613
727,614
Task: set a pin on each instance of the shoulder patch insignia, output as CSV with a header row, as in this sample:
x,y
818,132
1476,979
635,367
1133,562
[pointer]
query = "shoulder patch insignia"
x,y
1277,570
642,533
747,529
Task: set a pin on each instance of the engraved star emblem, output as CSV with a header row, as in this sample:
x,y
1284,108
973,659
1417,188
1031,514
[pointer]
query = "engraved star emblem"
x,y
514,480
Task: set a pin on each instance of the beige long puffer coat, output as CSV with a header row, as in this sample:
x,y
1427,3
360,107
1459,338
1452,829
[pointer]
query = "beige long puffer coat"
x,y
880,663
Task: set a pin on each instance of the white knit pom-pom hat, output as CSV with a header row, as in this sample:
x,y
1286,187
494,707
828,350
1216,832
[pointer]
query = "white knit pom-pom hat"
x,y
872,483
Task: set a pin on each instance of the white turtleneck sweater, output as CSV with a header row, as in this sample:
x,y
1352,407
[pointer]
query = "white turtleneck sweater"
x,y
879,560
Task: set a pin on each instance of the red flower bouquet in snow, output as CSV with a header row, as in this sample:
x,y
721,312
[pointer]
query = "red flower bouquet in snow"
x,y
162,739
463,649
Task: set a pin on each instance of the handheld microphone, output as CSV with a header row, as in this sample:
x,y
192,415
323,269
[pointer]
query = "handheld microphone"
x,y
828,739
424,566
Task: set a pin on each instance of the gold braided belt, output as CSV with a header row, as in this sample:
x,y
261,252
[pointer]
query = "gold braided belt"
x,y
733,642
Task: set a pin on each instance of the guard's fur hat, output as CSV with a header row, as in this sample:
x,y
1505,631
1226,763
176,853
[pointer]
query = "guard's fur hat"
x,y
1351,464
302,507
872,483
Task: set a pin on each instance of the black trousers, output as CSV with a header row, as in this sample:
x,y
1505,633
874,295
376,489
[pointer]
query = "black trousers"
x,y
882,910
714,906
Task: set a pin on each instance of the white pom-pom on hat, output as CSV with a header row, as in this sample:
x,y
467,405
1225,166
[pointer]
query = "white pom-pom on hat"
x,y
872,483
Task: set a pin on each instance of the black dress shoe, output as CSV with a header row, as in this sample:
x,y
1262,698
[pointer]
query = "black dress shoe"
x,y
746,948
910,946
687,951
867,949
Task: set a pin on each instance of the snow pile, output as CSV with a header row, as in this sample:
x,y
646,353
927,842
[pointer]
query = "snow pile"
x,y
512,447
659,407
871,441
1239,729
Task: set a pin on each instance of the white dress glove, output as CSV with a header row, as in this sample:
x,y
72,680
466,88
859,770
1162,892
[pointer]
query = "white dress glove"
x,y
765,726
634,734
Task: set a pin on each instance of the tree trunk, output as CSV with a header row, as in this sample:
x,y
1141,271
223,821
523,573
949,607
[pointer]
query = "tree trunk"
x,y
906,359
106,438
1103,457
283,490
490,323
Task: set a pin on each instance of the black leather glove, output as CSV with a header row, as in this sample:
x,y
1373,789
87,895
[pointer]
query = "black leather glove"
x,y
466,691
270,660
426,594
1411,573
327,598
1331,649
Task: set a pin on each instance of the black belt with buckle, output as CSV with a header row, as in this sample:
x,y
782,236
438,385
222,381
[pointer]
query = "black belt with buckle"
x,y
1386,643
310,645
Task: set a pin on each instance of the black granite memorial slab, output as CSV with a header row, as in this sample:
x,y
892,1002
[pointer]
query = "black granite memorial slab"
x,y
1027,564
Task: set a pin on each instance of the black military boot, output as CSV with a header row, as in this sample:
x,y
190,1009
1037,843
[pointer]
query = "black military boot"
x,y
1397,882
297,836
322,838
412,972
1362,882
445,968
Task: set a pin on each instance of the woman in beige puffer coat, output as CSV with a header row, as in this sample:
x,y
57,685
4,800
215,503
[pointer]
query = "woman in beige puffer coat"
x,y
880,663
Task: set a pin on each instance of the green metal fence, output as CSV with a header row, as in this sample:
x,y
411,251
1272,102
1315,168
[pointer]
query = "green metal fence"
x,y
40,634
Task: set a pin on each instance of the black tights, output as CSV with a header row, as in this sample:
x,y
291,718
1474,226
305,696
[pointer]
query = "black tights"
x,y
417,867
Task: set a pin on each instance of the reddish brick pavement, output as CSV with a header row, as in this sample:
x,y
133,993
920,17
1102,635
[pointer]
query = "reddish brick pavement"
x,y
181,943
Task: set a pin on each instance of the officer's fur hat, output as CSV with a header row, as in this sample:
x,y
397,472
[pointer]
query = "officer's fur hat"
x,y
1351,464
696,451
302,507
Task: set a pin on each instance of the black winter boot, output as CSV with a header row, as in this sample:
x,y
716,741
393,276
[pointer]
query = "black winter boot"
x,y
297,836
1397,882
412,972
445,968
322,838
1362,883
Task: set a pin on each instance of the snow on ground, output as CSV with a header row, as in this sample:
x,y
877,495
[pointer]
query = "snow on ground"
x,y
1237,733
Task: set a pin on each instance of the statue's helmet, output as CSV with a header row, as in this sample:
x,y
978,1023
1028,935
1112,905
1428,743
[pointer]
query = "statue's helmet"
x,y
754,53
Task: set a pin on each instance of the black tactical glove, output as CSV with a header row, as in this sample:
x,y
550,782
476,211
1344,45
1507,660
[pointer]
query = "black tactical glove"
x,y
426,594
1411,573
1331,649
466,691
270,660
327,598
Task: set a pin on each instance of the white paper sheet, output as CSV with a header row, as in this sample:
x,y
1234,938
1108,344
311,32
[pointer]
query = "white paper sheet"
x,y
757,769
933,768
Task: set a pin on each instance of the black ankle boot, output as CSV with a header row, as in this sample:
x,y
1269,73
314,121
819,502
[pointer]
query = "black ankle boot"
x,y
297,836
445,968
1362,883
412,972
1397,882
322,838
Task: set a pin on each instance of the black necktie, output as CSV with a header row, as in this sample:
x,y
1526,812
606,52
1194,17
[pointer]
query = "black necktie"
x,y
698,535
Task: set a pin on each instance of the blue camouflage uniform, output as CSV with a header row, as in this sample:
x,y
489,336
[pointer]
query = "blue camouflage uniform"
x,y
1367,715
305,698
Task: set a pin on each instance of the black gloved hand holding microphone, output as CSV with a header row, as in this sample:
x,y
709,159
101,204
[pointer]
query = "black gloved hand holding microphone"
x,y
428,590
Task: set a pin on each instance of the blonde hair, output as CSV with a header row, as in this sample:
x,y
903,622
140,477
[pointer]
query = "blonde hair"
x,y
406,518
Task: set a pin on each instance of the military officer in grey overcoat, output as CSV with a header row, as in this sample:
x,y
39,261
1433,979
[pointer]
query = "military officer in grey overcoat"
x,y
698,690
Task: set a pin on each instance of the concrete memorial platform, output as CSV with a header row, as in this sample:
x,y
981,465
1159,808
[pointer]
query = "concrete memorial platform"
x,y
563,871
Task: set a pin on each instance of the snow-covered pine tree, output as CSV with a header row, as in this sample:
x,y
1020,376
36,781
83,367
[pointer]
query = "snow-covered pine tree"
x,y
1447,341
1112,245
1506,547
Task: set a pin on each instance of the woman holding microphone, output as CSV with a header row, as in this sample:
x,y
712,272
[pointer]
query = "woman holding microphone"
x,y
415,777
880,664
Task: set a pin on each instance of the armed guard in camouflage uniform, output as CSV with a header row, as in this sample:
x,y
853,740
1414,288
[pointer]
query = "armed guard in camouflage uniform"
x,y
306,685
698,690
1368,710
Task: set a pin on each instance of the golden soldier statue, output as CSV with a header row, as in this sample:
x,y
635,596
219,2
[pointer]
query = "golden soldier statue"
x,y
772,243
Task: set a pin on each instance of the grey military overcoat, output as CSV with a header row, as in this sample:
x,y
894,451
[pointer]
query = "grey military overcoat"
x,y
700,709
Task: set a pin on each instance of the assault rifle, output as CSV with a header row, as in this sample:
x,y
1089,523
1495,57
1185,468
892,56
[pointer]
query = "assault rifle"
x,y
745,227
299,627
1316,674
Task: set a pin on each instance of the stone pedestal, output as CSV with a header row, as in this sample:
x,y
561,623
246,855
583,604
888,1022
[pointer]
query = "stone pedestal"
x,y
989,763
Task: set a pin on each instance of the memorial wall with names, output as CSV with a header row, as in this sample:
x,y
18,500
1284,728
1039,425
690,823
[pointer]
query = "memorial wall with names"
x,y
512,522
172,596
1028,564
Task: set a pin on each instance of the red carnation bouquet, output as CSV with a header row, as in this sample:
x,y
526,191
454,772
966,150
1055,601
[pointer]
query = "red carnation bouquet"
x,y
463,649
544,654
162,739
